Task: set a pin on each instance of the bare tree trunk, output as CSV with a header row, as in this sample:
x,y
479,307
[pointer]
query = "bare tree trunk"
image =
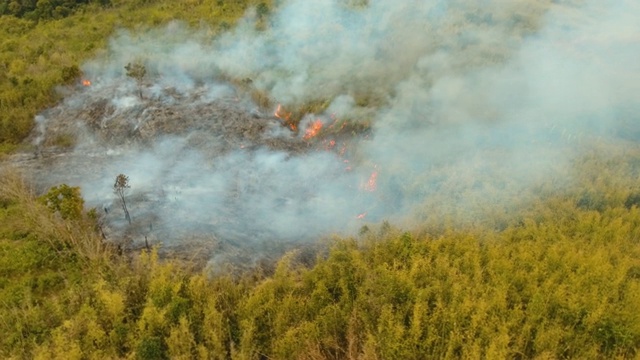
x,y
121,184
127,216
126,211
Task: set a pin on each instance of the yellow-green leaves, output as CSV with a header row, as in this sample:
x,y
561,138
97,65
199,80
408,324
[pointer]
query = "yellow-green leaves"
x,y
65,200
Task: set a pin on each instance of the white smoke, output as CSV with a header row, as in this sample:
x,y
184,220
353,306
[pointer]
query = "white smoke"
x,y
458,94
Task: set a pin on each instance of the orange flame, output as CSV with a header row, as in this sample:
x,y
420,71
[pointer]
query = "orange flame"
x,y
86,82
313,129
281,114
328,145
285,117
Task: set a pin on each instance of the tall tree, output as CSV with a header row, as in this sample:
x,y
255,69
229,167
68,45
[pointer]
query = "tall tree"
x,y
119,188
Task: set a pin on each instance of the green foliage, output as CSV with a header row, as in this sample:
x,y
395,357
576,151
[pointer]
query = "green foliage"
x,y
42,9
262,9
65,200
632,200
560,280
64,140
70,74
136,71
151,348
41,275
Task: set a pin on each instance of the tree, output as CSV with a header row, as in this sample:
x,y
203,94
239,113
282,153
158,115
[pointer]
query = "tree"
x,y
65,200
137,71
70,73
262,9
119,188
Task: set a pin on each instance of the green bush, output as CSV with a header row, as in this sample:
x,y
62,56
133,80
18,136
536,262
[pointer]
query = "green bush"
x,y
151,348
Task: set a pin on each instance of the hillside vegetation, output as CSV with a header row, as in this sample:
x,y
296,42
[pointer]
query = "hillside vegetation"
x,y
561,280
556,275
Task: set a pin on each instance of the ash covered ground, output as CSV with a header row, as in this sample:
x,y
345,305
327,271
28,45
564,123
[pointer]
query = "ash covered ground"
x,y
212,174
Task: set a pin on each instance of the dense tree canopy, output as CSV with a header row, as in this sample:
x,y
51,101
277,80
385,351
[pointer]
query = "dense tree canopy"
x,y
44,9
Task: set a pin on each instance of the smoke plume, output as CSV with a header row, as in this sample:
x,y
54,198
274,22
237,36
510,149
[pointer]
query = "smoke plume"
x,y
443,102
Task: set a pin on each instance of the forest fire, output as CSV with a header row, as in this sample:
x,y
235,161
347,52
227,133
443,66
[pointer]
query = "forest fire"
x,y
313,129
285,117
328,145
86,82
281,114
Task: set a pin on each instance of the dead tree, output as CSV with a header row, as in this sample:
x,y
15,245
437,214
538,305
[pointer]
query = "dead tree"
x,y
119,188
